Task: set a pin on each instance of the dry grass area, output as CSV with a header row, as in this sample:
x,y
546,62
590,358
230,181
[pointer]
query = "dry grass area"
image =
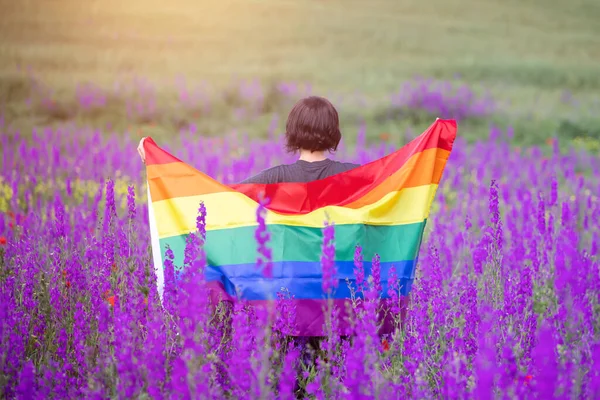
x,y
525,49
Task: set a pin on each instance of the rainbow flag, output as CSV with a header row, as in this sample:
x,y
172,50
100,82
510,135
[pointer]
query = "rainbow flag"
x,y
382,205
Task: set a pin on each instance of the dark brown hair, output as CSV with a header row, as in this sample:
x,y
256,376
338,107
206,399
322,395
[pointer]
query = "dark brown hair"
x,y
313,124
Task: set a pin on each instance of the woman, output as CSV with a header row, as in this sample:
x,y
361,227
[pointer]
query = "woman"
x,y
312,129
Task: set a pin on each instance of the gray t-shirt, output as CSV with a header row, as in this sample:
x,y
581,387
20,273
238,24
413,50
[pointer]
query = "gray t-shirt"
x,y
301,171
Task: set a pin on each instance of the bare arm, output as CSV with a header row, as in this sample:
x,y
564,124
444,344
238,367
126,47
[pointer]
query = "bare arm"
x,y
140,150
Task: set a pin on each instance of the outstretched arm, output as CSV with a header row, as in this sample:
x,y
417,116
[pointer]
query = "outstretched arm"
x,y
140,150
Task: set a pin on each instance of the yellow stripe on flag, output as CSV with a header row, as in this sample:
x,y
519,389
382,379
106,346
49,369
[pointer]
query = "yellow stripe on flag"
x,y
232,210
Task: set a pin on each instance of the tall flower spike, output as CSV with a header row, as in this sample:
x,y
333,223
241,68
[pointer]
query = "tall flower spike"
x,y
330,280
359,269
541,214
565,216
393,288
201,221
131,202
494,207
110,210
191,250
262,237
170,289
59,214
376,271
200,262
111,207
553,191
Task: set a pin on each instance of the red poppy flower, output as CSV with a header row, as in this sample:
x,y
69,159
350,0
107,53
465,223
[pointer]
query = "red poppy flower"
x,y
111,300
386,345
2,240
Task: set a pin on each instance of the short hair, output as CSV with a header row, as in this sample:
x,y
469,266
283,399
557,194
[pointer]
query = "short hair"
x,y
313,124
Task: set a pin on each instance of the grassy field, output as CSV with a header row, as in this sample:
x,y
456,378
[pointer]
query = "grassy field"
x,y
529,54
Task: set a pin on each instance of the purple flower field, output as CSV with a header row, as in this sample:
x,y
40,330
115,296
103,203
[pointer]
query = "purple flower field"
x,y
506,303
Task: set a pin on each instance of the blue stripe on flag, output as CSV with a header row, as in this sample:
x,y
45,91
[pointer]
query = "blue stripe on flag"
x,y
303,280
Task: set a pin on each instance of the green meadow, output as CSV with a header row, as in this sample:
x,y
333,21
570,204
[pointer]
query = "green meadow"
x,y
539,60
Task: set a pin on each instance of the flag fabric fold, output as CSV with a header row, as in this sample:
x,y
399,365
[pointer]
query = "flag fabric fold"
x,y
383,206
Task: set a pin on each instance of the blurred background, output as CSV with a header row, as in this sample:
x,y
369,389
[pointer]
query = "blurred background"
x,y
530,68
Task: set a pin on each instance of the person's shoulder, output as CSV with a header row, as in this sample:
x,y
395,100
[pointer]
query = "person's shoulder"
x,y
280,170
269,175
345,166
351,165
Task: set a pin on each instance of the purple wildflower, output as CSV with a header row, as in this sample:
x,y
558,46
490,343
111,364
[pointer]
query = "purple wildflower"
x,y
553,192
264,262
376,271
393,289
541,225
494,208
131,202
359,269
330,280
201,221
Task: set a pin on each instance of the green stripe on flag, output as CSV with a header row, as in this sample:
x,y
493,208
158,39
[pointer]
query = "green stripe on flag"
x,y
238,245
